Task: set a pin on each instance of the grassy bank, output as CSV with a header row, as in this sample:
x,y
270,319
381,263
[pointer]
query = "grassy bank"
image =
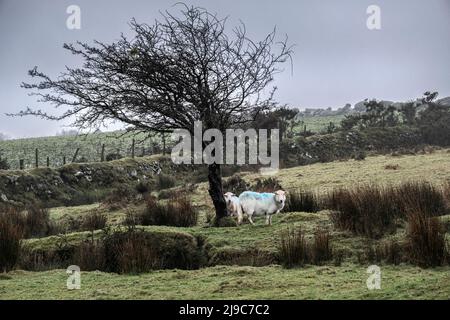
x,y
232,282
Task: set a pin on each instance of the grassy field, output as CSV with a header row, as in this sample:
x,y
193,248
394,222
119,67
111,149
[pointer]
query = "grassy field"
x,y
91,145
234,282
59,146
236,276
319,123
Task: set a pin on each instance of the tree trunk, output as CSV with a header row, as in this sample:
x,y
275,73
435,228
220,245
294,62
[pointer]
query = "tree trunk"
x,y
216,190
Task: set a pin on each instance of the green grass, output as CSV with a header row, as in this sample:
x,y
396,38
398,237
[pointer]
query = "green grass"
x,y
59,146
232,282
90,145
267,282
321,177
318,124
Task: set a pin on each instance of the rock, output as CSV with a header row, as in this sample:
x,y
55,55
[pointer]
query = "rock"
x,y
3,197
78,174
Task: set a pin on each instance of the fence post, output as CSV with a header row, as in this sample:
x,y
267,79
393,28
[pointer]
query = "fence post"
x,y
143,151
64,160
36,162
102,157
21,164
132,148
164,143
48,162
75,155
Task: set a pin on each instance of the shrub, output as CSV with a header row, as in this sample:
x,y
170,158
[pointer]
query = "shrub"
x,y
373,210
301,201
178,212
130,251
360,155
235,184
364,210
94,221
292,248
143,188
37,222
426,240
167,194
4,165
11,233
423,197
113,156
267,185
446,192
47,259
80,198
119,198
137,251
132,219
392,252
321,249
165,181
90,255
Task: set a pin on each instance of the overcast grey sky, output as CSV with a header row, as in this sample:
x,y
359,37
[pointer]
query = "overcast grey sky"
x,y
337,59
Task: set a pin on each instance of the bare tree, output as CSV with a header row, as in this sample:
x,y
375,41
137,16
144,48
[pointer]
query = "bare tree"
x,y
179,70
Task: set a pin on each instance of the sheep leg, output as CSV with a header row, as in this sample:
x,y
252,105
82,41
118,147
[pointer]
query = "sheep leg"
x,y
250,219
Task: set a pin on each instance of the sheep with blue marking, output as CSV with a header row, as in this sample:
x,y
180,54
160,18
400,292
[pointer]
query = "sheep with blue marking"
x,y
268,204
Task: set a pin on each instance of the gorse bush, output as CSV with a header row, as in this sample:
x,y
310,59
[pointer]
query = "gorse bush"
x,y
177,211
298,201
11,233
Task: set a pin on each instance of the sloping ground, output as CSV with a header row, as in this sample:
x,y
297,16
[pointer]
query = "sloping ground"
x,y
225,282
83,182
256,245
432,167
